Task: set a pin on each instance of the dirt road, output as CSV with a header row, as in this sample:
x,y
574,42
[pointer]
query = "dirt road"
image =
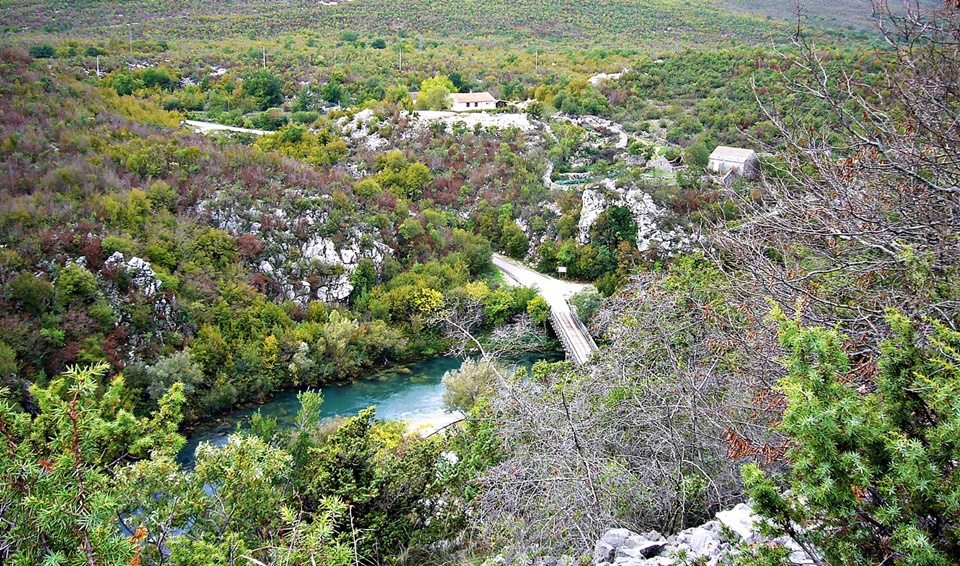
x,y
204,127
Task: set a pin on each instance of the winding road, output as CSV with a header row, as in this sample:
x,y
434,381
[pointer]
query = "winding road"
x,y
576,340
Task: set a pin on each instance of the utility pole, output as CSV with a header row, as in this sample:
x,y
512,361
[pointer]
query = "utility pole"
x,y
264,56
130,36
98,66
400,52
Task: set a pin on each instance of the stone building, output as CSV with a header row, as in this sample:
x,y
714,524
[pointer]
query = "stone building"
x,y
743,162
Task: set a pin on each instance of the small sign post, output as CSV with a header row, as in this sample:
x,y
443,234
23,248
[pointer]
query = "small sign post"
x,y
561,270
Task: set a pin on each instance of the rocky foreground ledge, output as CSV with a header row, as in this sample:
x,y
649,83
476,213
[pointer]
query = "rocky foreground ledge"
x,y
713,543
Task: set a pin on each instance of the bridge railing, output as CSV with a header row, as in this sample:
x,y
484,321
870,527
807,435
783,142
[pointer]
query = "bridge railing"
x,y
565,339
583,329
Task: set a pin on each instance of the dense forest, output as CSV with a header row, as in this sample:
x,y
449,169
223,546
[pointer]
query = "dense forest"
x,y
789,340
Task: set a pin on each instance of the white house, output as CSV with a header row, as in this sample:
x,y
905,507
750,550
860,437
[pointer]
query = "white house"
x,y
743,162
461,101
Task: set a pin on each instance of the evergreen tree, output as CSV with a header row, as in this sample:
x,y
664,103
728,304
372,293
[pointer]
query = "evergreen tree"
x,y
264,87
61,491
873,476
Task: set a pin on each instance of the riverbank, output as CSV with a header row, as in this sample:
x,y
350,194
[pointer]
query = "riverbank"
x,y
412,393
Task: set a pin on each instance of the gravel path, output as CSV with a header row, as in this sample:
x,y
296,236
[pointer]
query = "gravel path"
x,y
204,127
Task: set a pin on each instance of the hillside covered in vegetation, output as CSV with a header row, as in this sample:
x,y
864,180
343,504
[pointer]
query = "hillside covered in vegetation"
x,y
789,339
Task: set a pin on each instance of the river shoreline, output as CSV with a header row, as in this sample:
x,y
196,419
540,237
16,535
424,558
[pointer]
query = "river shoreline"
x,y
411,392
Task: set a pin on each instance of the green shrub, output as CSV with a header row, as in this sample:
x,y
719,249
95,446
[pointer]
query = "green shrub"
x,y
873,468
120,244
306,117
33,294
75,283
586,303
8,360
42,51
270,120
264,87
102,313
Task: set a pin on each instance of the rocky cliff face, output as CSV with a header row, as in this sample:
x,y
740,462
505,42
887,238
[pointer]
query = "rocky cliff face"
x,y
141,274
307,251
645,213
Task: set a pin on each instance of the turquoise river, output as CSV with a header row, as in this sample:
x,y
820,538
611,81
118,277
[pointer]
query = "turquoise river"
x,y
412,393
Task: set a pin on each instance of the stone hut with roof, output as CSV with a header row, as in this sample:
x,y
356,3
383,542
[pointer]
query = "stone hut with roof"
x,y
743,162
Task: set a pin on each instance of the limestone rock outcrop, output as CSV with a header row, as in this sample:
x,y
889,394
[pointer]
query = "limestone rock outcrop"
x,y
645,213
713,543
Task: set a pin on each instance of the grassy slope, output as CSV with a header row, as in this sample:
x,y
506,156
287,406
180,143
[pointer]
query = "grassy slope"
x,y
853,14
818,13
644,23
